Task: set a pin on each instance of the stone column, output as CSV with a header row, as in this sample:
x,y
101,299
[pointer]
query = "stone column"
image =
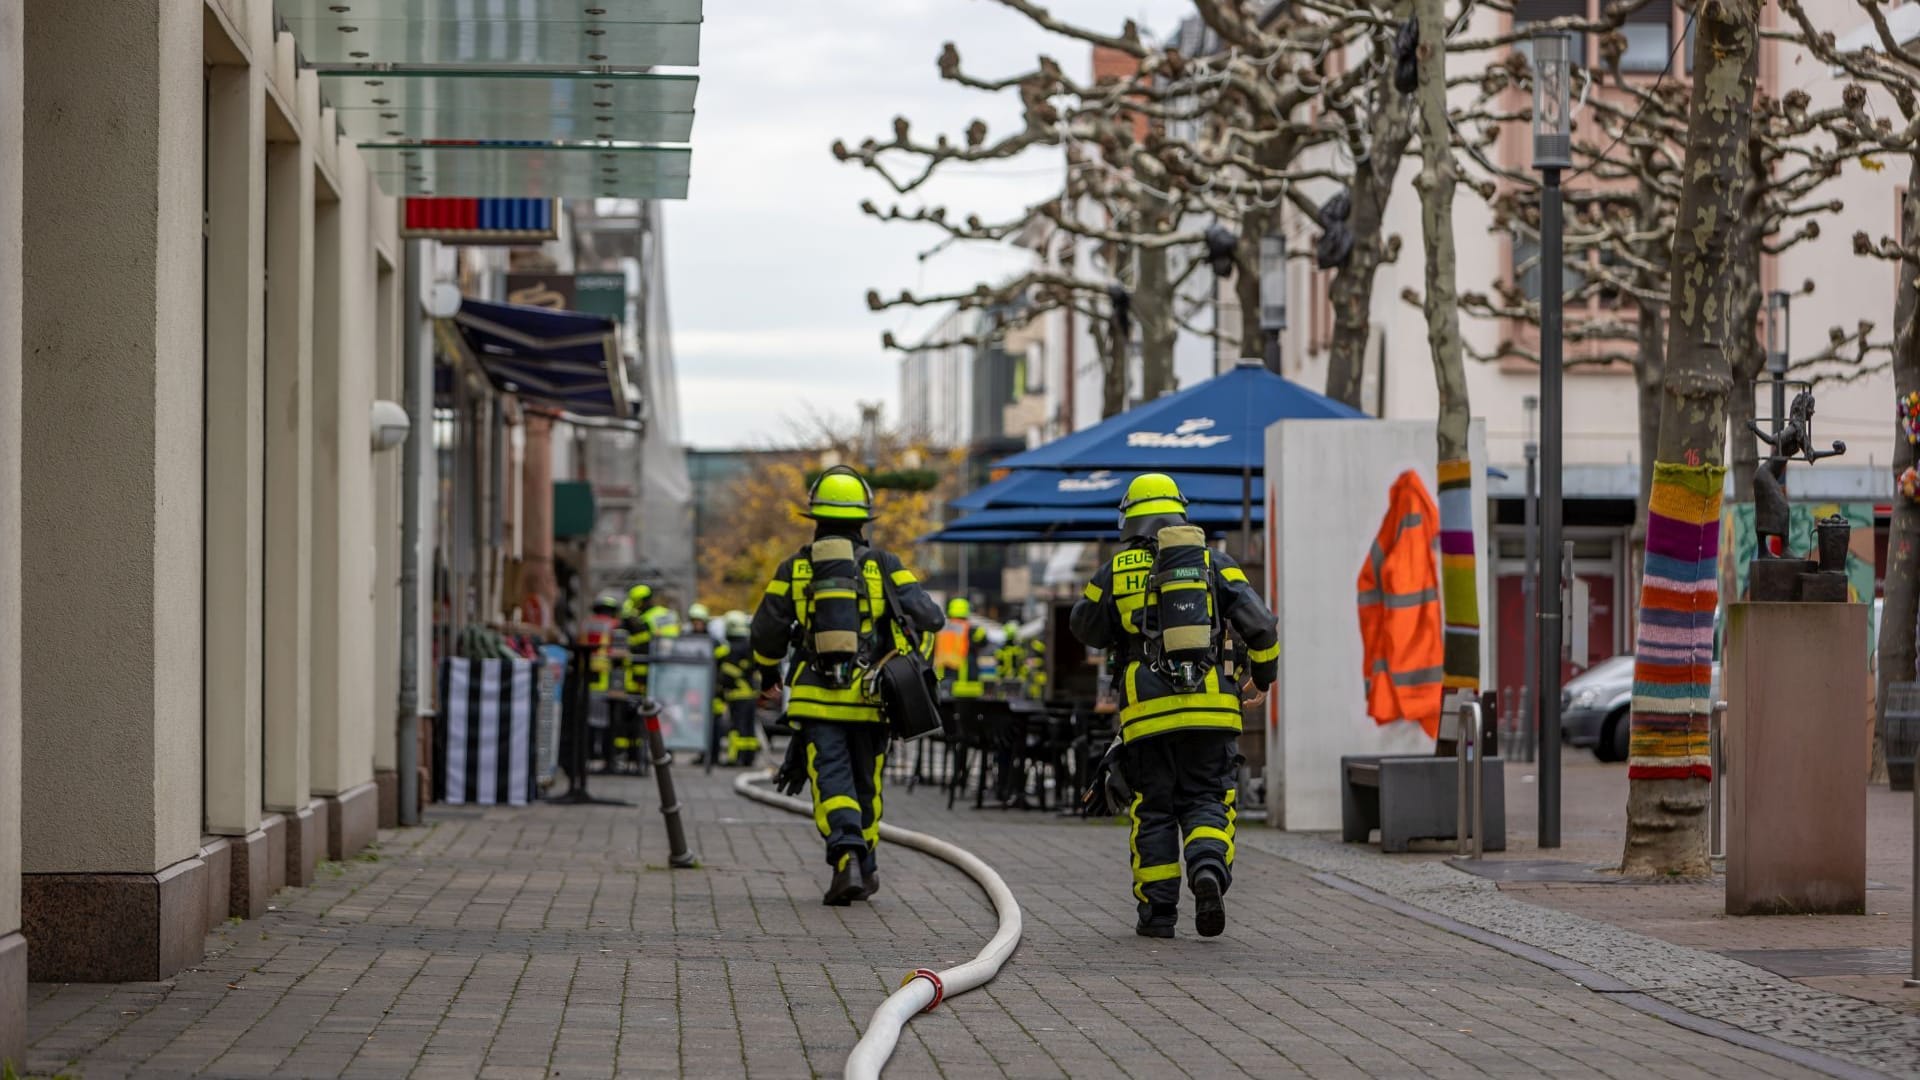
x,y
386,541
536,501
342,733
236,375
290,830
111,484
13,947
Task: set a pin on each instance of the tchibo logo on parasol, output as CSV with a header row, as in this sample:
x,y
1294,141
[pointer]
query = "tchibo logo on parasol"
x,y
1188,434
1094,481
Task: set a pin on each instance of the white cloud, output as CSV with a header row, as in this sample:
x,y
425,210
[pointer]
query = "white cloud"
x,y
770,258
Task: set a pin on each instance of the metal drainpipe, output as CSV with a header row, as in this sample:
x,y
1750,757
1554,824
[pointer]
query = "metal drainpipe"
x,y
418,392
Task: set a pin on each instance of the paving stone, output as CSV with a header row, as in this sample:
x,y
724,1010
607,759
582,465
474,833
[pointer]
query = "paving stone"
x,y
552,941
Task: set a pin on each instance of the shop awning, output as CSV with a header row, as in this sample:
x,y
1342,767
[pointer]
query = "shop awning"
x,y
563,358
1096,488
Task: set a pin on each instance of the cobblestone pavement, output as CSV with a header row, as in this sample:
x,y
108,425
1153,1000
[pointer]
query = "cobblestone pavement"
x,y
552,941
1593,828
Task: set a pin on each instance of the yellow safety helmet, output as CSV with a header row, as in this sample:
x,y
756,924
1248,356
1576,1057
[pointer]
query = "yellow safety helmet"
x,y
1152,493
958,608
698,611
738,623
639,594
840,494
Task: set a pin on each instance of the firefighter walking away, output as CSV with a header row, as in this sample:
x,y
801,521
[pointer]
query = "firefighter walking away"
x,y
1162,607
843,608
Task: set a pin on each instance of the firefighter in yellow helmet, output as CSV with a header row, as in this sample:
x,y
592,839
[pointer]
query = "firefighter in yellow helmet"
x,y
960,651
741,736
1163,606
842,606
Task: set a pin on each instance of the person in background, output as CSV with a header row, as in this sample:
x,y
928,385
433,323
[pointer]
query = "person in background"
x,y
737,695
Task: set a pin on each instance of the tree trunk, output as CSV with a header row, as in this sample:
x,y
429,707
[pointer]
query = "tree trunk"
x,y
1113,371
1670,767
1351,293
1246,280
1896,644
1459,598
1650,368
1153,302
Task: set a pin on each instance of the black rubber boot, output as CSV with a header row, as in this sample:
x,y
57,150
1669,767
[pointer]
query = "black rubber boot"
x,y
869,869
849,882
1209,906
1157,920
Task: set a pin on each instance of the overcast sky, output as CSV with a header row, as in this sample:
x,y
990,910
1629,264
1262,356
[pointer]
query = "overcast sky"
x,y
769,258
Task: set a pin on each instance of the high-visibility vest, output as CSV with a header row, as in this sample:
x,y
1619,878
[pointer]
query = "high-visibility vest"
x,y
1400,625
955,654
599,634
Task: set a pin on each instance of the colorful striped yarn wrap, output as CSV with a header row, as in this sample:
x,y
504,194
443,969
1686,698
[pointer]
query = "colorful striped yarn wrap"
x,y
1673,657
1460,601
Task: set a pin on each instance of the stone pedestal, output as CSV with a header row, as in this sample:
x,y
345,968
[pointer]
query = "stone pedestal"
x,y
1796,767
13,1001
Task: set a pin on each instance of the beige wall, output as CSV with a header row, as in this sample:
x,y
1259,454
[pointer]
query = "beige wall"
x,y
112,426
10,90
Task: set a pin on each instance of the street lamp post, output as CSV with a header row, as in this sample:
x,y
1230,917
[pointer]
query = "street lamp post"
x,y
1273,294
1552,152
1530,590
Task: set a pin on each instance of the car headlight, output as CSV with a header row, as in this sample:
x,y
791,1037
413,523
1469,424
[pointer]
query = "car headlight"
x,y
1585,699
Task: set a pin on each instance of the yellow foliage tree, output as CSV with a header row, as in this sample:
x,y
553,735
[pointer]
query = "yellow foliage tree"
x,y
761,512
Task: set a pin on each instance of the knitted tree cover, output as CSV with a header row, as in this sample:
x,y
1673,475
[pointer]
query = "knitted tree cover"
x,y
1673,659
1459,599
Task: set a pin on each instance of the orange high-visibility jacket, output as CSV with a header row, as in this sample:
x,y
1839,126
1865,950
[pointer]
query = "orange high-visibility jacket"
x,y
1400,624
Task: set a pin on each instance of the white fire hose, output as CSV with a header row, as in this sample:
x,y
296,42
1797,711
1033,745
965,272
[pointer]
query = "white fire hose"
x,y
923,988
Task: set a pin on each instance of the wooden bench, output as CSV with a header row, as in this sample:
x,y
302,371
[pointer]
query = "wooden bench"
x,y
1412,797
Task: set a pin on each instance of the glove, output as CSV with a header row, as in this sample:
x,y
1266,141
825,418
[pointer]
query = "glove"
x,y
792,777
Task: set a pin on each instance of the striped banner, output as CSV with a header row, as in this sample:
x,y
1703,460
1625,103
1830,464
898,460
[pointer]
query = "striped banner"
x,y
1673,657
1460,601
483,753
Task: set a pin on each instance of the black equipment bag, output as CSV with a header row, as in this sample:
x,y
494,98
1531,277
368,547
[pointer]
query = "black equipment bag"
x,y
908,688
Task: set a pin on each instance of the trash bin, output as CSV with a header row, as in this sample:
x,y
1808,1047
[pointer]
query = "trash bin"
x,y
1900,733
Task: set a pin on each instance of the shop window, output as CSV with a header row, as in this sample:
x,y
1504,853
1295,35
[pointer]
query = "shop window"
x,y
1526,270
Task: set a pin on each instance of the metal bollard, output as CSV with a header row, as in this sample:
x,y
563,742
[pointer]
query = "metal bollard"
x,y
1717,762
1468,806
678,855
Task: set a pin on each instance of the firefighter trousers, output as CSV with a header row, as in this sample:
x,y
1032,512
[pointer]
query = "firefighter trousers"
x,y
844,762
1183,804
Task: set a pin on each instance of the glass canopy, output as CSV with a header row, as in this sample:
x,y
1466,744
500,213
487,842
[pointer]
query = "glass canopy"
x,y
569,33
384,106
539,171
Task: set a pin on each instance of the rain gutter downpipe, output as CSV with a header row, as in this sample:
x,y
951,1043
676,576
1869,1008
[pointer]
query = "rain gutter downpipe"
x,y
924,988
417,358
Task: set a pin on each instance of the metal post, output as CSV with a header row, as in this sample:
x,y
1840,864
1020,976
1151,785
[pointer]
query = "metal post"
x,y
1717,761
417,365
1460,782
1914,982
1468,805
678,855
1476,778
1550,509
1530,594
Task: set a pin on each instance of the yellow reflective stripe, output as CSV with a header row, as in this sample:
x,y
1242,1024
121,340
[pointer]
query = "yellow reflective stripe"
x,y
1092,592
1234,574
1185,721
837,802
904,577
1199,701
1208,832
816,710
813,788
777,588
764,660
1133,844
1163,872
808,692
1127,605
1133,690
1261,656
872,832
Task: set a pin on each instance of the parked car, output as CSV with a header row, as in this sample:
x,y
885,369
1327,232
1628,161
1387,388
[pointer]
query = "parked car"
x,y
1595,703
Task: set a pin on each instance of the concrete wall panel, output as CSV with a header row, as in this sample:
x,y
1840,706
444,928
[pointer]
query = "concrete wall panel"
x,y
10,131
